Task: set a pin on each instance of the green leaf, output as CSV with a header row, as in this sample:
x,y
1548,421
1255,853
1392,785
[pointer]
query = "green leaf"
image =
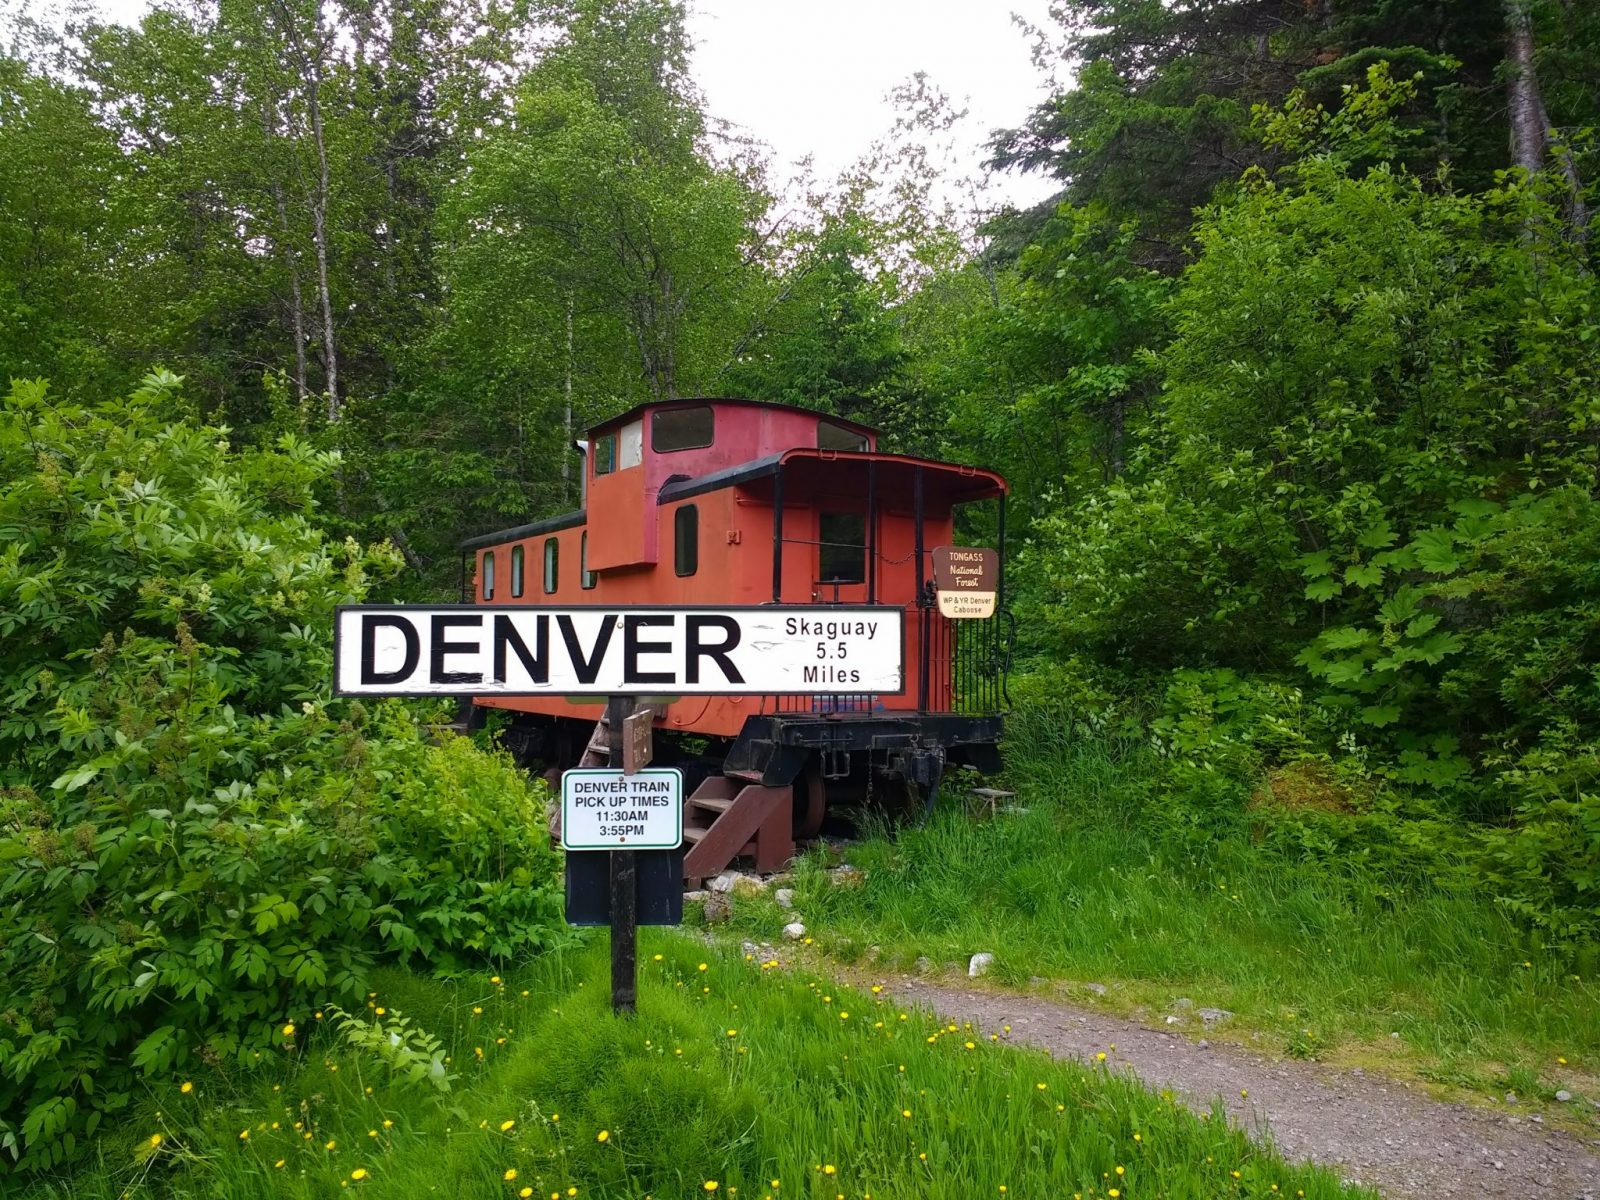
x,y
1436,553
1322,589
1364,575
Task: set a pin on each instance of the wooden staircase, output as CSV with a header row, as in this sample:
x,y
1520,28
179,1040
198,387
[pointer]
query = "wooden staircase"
x,y
726,817
729,816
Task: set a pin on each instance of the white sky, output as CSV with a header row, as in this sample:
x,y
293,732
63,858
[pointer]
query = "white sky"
x,y
811,76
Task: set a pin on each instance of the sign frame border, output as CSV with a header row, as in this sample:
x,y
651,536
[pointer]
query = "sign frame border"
x,y
682,801
599,692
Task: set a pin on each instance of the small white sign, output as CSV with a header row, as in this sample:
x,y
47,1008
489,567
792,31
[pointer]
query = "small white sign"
x,y
603,809
531,650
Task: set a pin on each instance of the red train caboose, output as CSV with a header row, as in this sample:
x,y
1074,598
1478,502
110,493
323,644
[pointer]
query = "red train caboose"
x,y
722,502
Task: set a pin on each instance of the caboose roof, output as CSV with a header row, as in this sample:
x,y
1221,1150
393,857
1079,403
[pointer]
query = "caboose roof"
x,y
950,483
727,402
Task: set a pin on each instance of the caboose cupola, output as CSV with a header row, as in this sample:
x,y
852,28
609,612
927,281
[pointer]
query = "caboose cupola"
x,y
632,456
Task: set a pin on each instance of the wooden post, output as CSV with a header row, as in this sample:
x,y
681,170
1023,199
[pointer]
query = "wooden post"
x,y
624,886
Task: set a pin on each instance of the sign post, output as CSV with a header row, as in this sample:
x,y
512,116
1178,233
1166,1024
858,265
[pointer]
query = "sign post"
x,y
624,929
629,810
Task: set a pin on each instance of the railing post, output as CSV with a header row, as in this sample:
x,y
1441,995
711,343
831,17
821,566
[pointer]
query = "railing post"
x,y
777,536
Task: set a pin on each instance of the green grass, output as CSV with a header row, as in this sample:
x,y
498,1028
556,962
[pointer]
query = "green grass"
x,y
732,1073
1321,962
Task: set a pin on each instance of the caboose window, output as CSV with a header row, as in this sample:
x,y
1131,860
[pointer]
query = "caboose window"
x,y
552,563
585,576
516,570
605,454
681,429
833,436
686,539
488,574
842,548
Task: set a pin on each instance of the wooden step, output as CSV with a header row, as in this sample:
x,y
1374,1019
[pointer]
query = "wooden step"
x,y
751,819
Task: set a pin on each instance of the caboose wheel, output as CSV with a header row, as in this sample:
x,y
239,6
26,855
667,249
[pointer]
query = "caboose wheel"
x,y
810,801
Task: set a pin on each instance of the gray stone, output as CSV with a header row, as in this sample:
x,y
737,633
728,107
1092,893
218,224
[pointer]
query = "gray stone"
x,y
1099,989
1563,1095
1183,1002
794,931
923,965
725,881
1209,1015
694,897
979,965
784,897
1171,1020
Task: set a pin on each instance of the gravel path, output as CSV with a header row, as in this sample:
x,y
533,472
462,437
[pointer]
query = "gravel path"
x,y
1374,1131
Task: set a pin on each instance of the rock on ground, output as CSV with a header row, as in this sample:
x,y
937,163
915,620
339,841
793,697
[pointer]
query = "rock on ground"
x,y
979,964
794,931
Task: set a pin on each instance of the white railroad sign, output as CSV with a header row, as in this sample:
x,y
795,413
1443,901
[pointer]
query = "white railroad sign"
x,y
603,809
528,650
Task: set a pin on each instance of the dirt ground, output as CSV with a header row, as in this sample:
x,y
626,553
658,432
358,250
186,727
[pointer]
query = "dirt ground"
x,y
1372,1130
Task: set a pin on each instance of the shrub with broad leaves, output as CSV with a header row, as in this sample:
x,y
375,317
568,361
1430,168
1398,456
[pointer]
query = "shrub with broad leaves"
x,y
197,846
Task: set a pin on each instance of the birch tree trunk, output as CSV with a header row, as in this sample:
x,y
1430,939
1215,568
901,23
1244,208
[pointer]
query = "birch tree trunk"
x,y
286,251
1524,107
309,63
1530,123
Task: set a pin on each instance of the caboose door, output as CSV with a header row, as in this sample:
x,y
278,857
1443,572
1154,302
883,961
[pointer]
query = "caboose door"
x,y
839,574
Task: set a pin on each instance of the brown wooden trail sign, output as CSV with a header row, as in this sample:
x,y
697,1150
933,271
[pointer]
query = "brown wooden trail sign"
x,y
966,579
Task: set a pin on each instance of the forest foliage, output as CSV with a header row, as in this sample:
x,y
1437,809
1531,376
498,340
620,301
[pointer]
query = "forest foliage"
x,y
197,846
1294,381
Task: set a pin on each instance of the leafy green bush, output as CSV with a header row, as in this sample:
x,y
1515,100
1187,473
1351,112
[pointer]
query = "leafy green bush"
x,y
1363,525
197,848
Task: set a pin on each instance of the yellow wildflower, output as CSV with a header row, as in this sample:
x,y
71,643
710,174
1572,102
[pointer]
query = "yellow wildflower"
x,y
710,1185
244,1135
703,967
329,1144
506,1125
155,1140
828,1169
511,1173
603,1136
358,1174
188,1087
